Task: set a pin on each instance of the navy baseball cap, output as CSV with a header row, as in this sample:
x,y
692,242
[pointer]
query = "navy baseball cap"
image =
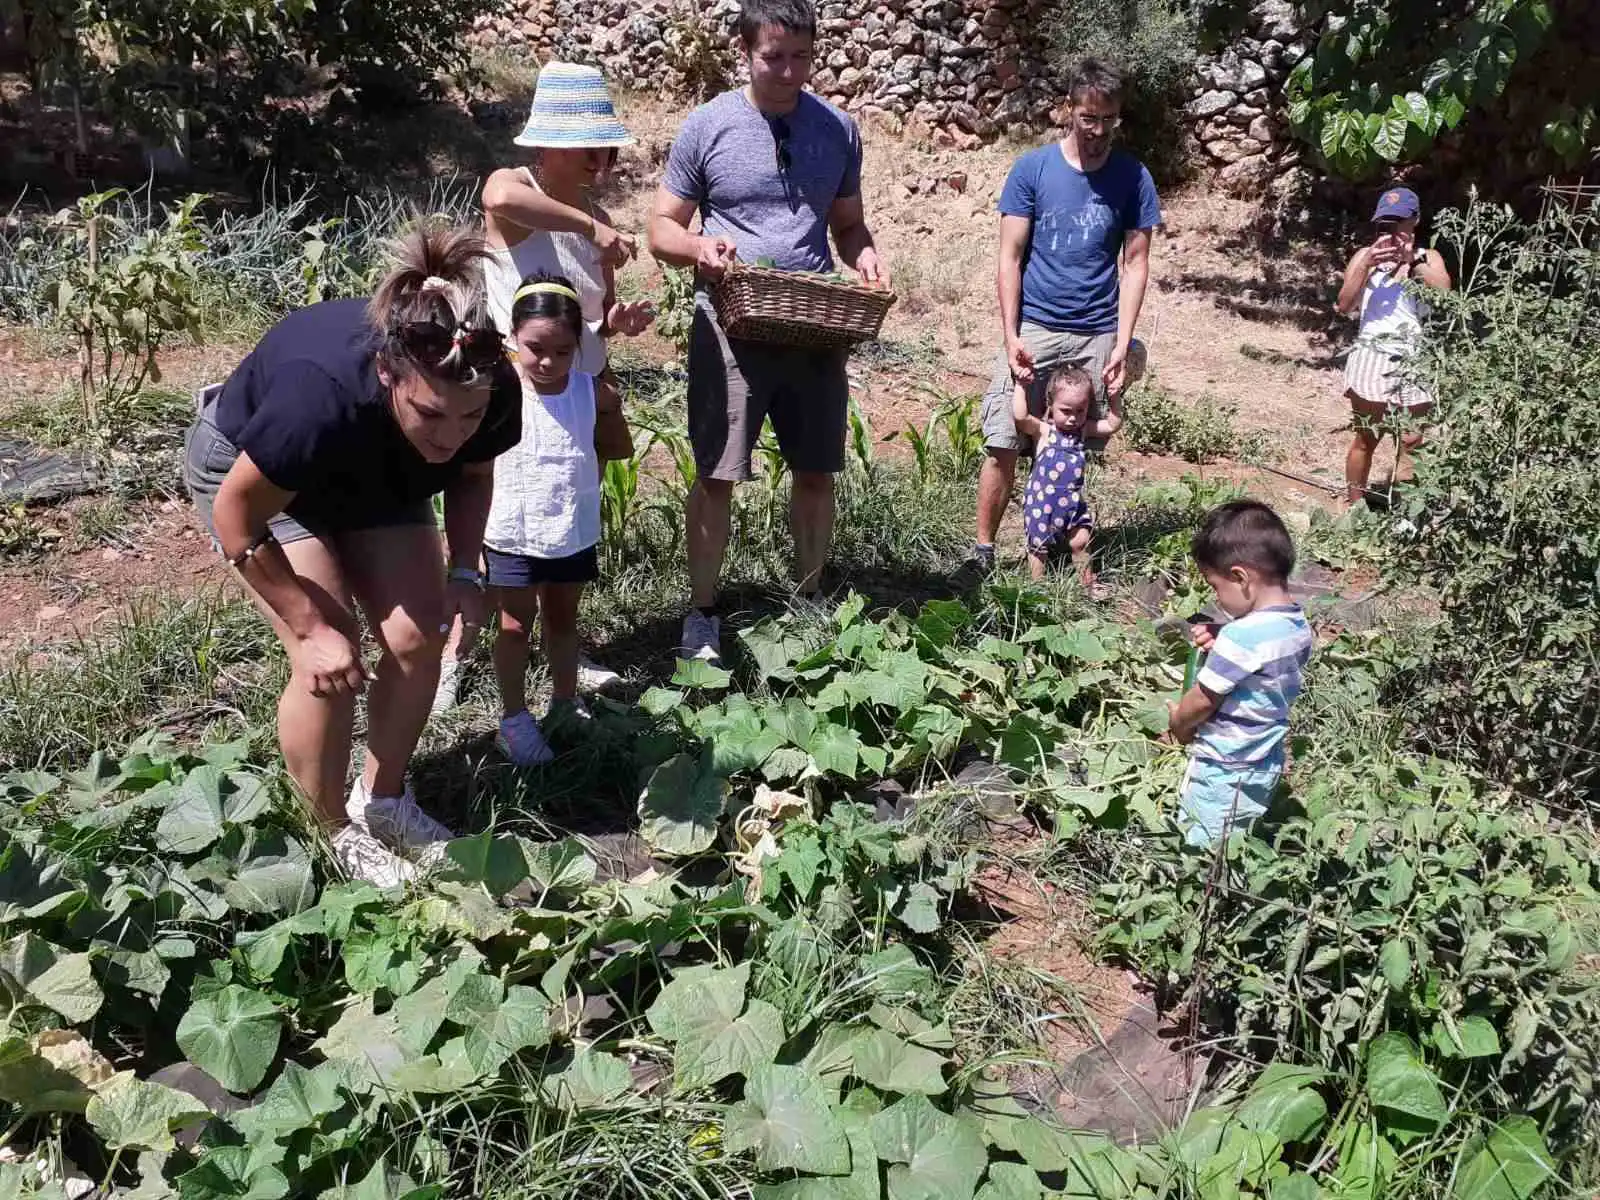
x,y
1398,204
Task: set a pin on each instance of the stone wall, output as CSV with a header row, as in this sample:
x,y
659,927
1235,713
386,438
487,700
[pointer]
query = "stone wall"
x,y
1237,113
953,71
961,70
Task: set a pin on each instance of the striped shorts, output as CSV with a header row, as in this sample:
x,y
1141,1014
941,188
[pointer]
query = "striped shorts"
x,y
1378,377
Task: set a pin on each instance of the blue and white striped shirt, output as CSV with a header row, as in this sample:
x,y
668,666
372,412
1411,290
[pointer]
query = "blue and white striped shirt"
x,y
1255,666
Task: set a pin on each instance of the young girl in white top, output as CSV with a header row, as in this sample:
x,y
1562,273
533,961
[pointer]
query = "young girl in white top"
x,y
540,545
543,219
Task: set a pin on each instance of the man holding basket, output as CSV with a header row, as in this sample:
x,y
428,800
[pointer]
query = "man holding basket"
x,y
772,169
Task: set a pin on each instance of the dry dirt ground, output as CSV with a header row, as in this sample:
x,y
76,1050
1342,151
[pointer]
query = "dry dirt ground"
x,y
1224,318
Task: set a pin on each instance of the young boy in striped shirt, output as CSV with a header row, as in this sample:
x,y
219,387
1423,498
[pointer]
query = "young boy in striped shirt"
x,y
1235,719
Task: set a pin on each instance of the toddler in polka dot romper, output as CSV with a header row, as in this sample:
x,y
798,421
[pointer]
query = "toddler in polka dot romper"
x,y
1055,509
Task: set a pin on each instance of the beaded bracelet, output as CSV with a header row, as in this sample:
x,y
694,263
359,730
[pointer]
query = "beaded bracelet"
x,y
237,561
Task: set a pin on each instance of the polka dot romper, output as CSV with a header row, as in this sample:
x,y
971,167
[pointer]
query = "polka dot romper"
x,y
1054,504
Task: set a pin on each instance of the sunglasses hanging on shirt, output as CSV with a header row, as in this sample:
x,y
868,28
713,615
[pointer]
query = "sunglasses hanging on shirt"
x,y
781,133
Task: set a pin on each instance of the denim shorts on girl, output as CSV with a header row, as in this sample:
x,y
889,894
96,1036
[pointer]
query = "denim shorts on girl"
x,y
1216,797
523,570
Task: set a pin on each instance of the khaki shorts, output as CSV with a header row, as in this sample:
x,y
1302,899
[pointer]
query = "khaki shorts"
x,y
1050,349
734,385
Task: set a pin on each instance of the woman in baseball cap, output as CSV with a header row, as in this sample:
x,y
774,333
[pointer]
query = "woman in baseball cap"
x,y
1381,280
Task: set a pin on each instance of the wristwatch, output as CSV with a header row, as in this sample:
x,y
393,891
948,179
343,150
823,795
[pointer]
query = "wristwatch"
x,y
467,575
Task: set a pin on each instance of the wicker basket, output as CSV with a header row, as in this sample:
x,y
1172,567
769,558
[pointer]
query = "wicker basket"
x,y
797,308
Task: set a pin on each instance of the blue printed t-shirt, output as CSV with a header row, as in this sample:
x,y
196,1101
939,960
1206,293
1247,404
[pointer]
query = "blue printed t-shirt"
x,y
1069,270
1256,667
725,159
308,408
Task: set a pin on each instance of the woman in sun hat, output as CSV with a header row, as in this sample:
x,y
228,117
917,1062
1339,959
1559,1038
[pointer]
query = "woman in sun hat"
x,y
542,219
1379,279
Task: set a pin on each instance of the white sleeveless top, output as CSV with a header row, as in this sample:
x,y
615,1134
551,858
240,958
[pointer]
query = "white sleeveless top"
x,y
569,255
547,487
1391,317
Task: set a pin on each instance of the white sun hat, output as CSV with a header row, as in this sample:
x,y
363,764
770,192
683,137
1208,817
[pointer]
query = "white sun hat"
x,y
572,110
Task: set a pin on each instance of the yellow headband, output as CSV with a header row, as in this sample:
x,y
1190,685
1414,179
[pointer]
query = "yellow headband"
x,y
554,289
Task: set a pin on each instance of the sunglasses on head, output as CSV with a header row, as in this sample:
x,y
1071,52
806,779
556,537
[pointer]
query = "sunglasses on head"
x,y
429,344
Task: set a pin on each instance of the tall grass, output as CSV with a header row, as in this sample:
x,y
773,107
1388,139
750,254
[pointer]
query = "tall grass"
x,y
187,665
257,264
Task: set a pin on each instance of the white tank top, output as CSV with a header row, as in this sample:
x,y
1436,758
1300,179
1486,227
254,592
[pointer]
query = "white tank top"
x,y
1391,317
569,255
547,487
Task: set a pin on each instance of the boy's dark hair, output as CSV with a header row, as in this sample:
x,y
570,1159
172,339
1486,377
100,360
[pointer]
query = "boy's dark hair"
x,y
547,304
1092,75
792,16
1245,533
1061,377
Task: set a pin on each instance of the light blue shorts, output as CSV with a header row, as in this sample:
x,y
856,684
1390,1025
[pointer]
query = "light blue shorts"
x,y
1216,796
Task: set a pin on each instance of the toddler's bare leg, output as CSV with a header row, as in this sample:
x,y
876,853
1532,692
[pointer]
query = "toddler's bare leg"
x,y
1081,555
1038,563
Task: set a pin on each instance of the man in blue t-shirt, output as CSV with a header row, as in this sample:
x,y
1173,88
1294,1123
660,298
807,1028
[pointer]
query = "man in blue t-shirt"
x,y
1067,211
772,169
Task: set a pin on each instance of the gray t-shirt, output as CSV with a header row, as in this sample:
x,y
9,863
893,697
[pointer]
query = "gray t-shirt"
x,y
725,159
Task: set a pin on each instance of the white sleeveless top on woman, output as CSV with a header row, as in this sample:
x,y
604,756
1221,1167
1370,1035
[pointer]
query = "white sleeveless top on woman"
x,y
547,487
569,255
1391,317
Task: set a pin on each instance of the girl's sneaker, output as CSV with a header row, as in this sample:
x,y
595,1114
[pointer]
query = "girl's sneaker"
x,y
448,694
521,740
397,822
364,857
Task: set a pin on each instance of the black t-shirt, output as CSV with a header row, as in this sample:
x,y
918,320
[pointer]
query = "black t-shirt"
x,y
307,406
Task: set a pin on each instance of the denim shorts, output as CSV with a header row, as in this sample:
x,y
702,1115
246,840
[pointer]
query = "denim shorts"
x,y
1216,797
504,570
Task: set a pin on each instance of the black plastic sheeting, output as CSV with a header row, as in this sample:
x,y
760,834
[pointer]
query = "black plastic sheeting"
x,y
33,475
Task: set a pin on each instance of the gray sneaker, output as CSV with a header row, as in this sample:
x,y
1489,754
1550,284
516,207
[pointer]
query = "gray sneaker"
x,y
702,638
364,857
397,822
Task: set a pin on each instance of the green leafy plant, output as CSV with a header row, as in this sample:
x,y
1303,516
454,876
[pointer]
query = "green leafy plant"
x,y
1158,423
675,309
1499,522
123,309
1386,79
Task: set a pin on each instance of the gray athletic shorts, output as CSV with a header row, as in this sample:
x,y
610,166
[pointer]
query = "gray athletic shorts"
x,y
1051,349
207,457
735,384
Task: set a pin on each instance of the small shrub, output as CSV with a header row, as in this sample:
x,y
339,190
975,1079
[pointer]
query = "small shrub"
x,y
123,306
1156,422
675,310
1502,521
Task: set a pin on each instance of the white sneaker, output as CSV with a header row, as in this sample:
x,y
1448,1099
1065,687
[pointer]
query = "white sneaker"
x,y
398,822
448,694
521,740
702,637
592,677
364,857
